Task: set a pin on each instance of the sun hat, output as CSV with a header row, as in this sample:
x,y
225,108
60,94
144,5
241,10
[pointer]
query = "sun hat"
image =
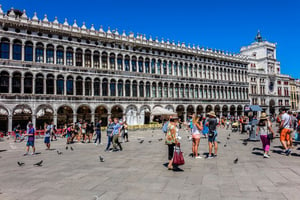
x,y
263,116
212,113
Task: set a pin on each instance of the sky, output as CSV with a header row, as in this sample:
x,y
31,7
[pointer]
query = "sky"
x,y
219,24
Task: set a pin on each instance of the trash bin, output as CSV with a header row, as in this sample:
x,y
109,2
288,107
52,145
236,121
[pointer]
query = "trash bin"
x,y
252,135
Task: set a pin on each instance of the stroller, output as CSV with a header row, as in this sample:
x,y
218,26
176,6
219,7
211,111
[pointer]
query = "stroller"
x,y
235,127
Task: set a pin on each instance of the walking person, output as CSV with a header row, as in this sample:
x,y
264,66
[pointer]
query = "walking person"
x,y
30,140
116,134
109,132
17,131
264,128
212,134
47,135
171,140
285,126
125,136
196,134
98,132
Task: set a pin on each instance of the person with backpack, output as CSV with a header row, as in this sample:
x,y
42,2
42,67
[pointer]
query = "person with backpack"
x,y
212,134
165,126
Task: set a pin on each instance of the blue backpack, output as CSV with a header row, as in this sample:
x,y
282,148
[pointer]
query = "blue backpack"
x,y
165,127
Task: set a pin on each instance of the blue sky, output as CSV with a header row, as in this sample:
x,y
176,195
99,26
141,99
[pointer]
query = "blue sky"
x,y
220,24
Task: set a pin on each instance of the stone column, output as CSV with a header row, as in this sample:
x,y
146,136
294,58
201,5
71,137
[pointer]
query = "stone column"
x,y
184,116
74,118
33,52
44,86
55,91
65,56
54,55
55,119
10,51
9,123
33,85
83,87
22,84
108,116
108,87
65,87
100,61
83,58
23,53
10,85
92,87
92,59
74,87
33,119
45,55
93,118
74,57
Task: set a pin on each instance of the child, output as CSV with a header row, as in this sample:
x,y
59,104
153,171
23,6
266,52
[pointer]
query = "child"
x,y
30,141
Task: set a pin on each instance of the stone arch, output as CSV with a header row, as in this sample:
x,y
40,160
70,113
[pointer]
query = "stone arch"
x,y
84,113
101,113
64,115
218,110
190,110
170,108
180,112
199,110
145,114
22,114
208,108
239,110
4,113
232,110
131,115
44,113
117,112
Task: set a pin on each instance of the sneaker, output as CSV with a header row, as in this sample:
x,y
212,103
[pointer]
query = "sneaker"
x,y
33,154
266,156
210,157
25,154
96,144
198,157
287,152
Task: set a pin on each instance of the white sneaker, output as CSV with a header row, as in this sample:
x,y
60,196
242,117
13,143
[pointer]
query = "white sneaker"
x,y
198,157
266,156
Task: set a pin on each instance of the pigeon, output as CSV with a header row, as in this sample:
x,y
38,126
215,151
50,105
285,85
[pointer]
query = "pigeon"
x,y
71,148
39,163
67,147
141,141
160,139
101,159
229,134
59,152
228,138
149,141
245,143
225,145
236,161
21,164
218,142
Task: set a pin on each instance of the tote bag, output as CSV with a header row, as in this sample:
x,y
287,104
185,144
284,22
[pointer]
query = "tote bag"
x,y
178,156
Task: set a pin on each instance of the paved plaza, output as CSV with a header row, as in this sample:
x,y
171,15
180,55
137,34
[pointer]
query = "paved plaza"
x,y
138,172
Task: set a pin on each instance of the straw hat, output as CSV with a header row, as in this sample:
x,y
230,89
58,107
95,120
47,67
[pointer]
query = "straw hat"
x,y
212,113
263,116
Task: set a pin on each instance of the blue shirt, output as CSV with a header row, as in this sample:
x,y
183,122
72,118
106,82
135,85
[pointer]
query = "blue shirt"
x,y
116,129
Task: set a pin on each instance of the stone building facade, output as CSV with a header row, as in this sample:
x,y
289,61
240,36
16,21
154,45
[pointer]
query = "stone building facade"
x,y
267,86
61,72
295,94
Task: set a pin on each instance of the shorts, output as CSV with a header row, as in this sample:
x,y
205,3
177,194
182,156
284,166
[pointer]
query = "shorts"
x,y
196,136
285,134
213,138
30,143
47,140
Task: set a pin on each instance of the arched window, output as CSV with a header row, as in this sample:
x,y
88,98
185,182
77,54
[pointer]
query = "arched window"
x,y
96,59
195,71
17,50
141,88
147,66
78,58
50,84
181,91
154,90
192,92
185,70
134,89
105,87
147,89
28,51
50,54
175,69
196,92
70,85
171,92
112,87
127,88
39,84
165,67
141,67
191,70
133,64
166,90
176,91
180,69
160,94
127,66
120,62
60,55
120,88
158,71
104,60
16,82
88,87
88,58
186,92
69,56
170,68
60,85
153,66
28,83
39,52
79,88
96,87
112,61
4,48
4,82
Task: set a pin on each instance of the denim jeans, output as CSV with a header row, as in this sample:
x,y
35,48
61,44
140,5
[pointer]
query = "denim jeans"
x,y
98,133
109,140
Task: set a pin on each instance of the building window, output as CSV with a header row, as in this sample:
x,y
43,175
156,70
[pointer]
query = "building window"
x,y
60,85
60,56
78,58
127,88
120,62
165,67
153,66
104,60
28,51
50,84
141,88
97,87
70,85
159,90
112,61
147,66
4,48
158,67
175,69
39,84
17,50
4,82
16,83
127,66
87,58
50,54
69,57
104,87
28,83
140,63
133,64
134,89
147,89
96,59
39,53
153,90
112,88
120,88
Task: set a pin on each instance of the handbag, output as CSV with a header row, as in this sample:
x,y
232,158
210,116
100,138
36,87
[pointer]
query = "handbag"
x,y
178,156
270,136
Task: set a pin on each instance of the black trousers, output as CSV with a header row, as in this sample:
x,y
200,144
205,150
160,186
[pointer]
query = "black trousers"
x,y
170,151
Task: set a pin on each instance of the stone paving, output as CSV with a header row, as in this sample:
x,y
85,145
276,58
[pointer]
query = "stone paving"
x,y
138,172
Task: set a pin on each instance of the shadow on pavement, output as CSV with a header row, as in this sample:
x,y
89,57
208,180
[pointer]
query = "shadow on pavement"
x,y
279,147
175,168
257,149
258,153
295,154
2,150
277,151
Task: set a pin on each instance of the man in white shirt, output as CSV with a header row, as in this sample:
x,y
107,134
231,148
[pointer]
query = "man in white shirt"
x,y
285,133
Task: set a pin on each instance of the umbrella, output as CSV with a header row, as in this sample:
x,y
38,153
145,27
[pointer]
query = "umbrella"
x,y
255,108
162,111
